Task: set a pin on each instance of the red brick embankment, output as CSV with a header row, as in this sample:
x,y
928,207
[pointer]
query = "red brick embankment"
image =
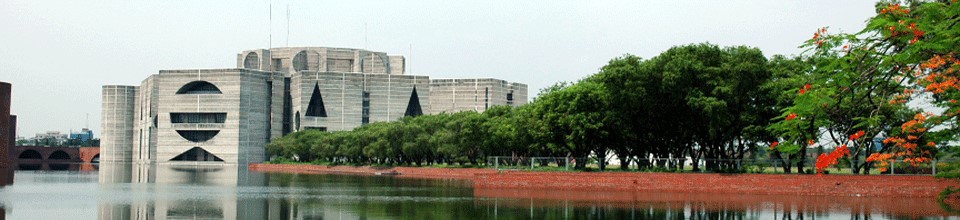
x,y
753,184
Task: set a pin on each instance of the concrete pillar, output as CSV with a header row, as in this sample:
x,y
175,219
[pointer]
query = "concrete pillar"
x,y
12,140
116,140
5,139
8,135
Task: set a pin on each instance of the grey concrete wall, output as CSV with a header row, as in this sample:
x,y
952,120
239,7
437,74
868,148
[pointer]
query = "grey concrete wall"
x,y
323,59
454,95
145,140
257,115
275,102
224,145
249,98
254,59
342,95
398,65
116,139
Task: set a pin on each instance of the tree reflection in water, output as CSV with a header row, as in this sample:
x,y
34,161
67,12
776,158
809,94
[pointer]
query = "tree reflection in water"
x,y
228,192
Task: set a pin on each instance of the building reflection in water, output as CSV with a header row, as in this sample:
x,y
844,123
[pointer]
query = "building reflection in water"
x,y
6,179
178,191
203,191
216,191
6,176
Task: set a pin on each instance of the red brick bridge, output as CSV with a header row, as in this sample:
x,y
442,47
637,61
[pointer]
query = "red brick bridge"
x,y
54,158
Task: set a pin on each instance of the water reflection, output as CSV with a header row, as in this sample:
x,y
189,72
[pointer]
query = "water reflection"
x,y
6,179
55,166
639,205
213,191
177,191
6,176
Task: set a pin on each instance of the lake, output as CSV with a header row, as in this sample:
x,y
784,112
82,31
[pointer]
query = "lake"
x,y
204,191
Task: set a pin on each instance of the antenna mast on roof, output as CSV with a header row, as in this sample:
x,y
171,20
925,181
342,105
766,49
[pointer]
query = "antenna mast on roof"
x,y
365,36
407,63
288,25
270,24
270,43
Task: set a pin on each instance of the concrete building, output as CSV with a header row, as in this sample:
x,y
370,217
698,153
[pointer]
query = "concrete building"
x,y
454,95
84,134
51,135
343,101
229,115
116,141
222,115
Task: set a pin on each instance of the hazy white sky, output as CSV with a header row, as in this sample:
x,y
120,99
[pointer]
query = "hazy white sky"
x,y
57,54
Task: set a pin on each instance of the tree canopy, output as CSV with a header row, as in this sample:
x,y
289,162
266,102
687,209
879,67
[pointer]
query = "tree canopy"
x,y
704,102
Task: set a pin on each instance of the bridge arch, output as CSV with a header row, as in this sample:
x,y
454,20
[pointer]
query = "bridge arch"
x,y
30,154
58,155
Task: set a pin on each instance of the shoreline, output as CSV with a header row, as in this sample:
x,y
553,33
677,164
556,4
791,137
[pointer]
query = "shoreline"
x,y
749,184
400,172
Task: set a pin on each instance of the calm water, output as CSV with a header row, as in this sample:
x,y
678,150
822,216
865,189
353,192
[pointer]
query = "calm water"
x,y
229,192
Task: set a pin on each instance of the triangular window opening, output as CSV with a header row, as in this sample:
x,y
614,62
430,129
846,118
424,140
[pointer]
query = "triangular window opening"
x,y
413,107
316,108
196,154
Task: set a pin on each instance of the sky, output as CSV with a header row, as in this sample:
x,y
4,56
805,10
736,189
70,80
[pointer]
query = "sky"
x,y
58,54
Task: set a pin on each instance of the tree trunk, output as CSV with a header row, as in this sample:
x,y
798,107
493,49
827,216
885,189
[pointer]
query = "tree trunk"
x,y
642,163
680,162
783,162
580,164
855,163
624,162
660,162
803,158
695,156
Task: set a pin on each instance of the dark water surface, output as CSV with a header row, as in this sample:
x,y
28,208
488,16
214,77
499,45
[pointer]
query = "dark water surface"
x,y
231,192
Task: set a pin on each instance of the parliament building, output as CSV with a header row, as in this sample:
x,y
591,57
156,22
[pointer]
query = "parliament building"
x,y
229,115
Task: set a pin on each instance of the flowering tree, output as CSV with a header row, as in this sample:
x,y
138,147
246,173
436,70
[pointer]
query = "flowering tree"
x,y
860,86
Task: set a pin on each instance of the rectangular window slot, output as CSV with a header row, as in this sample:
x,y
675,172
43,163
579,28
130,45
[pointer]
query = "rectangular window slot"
x,y
177,118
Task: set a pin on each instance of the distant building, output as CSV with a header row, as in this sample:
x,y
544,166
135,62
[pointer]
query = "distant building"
x,y
84,134
55,138
51,135
229,115
49,138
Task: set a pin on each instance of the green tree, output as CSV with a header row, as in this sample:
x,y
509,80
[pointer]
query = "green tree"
x,y
861,84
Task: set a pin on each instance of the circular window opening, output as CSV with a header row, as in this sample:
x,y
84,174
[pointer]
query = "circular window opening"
x,y
252,61
300,61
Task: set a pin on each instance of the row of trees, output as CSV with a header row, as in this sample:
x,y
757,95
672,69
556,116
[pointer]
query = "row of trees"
x,y
703,101
464,138
699,101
